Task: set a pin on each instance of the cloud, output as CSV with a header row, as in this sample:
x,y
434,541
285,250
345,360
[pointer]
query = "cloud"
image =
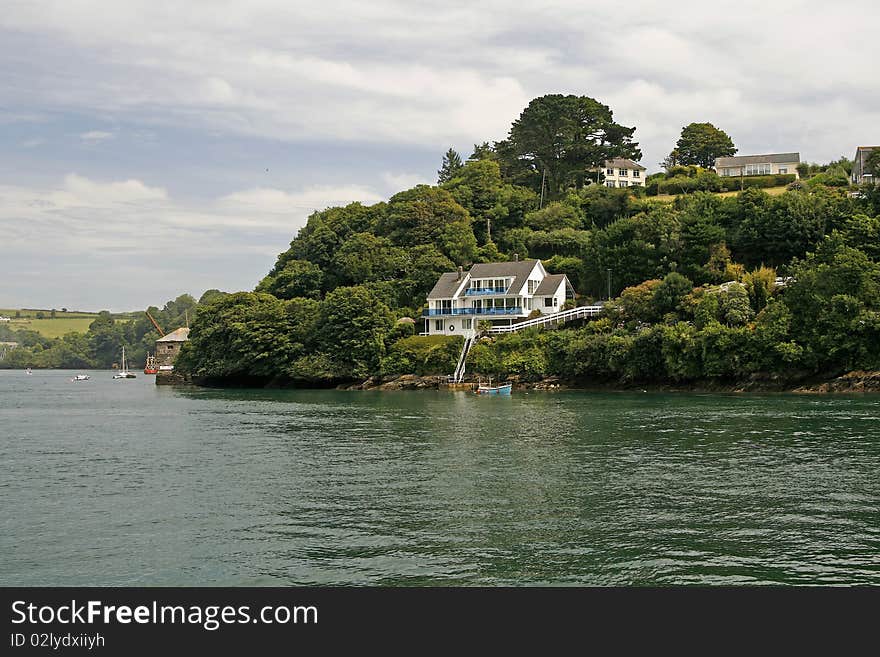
x,y
95,136
312,198
399,181
102,231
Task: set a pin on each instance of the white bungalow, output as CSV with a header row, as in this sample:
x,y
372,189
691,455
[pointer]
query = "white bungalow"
x,y
501,292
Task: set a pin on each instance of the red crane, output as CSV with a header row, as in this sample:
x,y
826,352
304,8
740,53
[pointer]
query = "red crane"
x,y
158,328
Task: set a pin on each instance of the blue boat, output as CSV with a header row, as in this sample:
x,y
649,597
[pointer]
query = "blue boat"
x,y
494,390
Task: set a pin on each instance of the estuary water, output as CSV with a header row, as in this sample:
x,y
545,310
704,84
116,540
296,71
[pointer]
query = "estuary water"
x,y
109,482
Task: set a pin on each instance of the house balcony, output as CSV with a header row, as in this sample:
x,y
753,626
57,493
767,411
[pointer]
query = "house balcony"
x,y
451,312
473,292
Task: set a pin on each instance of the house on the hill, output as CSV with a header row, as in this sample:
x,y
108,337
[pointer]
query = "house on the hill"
x,y
168,346
860,174
769,164
501,292
621,172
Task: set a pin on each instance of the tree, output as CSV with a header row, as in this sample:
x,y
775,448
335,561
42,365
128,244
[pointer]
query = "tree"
x,y
352,329
297,278
483,151
429,215
450,166
564,137
671,160
701,143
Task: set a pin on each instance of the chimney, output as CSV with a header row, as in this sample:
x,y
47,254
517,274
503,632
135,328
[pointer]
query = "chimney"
x,y
460,273
516,257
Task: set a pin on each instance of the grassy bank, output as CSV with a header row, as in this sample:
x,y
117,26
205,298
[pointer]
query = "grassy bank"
x,y
41,320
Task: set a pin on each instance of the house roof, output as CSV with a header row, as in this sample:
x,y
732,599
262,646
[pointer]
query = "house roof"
x,y
623,163
446,286
773,158
549,285
519,269
179,335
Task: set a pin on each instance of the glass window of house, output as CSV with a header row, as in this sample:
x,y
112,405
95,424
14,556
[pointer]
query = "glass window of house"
x,y
783,170
624,183
636,173
609,183
609,172
548,302
623,172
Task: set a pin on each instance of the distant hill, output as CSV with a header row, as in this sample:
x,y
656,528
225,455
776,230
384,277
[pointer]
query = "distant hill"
x,y
42,321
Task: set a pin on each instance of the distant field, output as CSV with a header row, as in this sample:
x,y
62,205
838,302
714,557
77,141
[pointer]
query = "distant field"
x,y
773,191
73,321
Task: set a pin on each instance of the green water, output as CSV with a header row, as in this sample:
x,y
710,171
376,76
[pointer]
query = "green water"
x,y
122,483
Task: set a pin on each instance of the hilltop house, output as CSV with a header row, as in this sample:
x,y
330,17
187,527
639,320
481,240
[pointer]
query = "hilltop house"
x,y
758,165
621,172
168,346
860,161
501,292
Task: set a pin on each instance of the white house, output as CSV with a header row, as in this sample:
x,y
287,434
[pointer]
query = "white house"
x,y
758,165
621,172
860,173
501,292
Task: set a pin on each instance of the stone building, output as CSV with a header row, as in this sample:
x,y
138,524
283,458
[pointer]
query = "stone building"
x,y
168,346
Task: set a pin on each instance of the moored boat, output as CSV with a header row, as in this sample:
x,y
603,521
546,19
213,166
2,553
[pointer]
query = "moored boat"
x,y
504,389
123,373
80,377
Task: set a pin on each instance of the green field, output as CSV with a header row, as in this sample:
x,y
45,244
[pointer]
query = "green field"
x,y
64,322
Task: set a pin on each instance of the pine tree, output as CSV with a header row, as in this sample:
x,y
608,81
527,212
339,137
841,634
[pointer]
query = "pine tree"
x,y
451,165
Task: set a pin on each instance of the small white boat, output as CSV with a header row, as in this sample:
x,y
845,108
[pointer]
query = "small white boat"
x,y
28,370
123,373
80,377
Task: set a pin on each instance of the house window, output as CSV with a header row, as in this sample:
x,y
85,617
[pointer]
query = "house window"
x,y
445,305
783,169
467,323
548,302
623,172
609,172
636,173
624,183
533,285
757,169
609,183
438,324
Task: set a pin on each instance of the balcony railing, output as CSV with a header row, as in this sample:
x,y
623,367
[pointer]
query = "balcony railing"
x,y
449,312
484,290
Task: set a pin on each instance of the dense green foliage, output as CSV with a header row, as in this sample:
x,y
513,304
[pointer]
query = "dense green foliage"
x,y
693,280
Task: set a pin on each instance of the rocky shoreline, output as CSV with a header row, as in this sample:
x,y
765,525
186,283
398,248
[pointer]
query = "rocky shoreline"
x,y
851,382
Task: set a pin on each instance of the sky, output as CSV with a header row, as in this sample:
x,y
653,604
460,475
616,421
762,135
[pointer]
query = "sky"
x,y
151,148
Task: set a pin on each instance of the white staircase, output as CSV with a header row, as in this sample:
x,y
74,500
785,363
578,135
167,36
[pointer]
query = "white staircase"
x,y
581,312
462,359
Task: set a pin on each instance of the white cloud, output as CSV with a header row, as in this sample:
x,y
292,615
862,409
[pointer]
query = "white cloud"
x,y
399,181
104,230
95,136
